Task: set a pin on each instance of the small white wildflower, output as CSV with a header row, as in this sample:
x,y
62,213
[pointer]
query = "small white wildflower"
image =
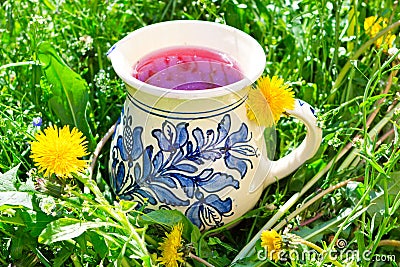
x,y
393,51
335,142
38,19
396,111
219,19
32,173
87,39
357,142
321,123
47,205
100,80
83,44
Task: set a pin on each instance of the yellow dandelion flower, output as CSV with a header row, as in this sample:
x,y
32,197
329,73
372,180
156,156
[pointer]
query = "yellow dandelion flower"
x,y
269,96
388,43
272,242
170,255
58,151
373,25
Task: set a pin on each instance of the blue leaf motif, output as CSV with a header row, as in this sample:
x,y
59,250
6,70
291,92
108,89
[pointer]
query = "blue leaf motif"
x,y
147,166
122,151
158,161
137,143
215,182
187,183
170,137
209,211
163,143
205,149
182,134
236,163
177,157
148,196
207,180
137,172
166,196
246,150
240,136
165,179
211,154
120,175
223,128
236,144
186,168
199,137
189,148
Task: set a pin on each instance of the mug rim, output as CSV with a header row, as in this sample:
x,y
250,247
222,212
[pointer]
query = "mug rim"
x,y
116,57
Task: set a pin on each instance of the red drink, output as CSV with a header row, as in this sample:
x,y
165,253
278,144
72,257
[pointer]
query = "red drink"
x,y
187,68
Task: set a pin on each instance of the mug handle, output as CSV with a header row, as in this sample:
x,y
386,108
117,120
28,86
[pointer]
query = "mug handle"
x,y
306,150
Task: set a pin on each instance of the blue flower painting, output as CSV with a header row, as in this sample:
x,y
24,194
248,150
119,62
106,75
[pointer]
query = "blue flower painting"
x,y
175,172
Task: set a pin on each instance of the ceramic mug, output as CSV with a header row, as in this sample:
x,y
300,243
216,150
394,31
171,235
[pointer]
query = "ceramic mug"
x,y
196,151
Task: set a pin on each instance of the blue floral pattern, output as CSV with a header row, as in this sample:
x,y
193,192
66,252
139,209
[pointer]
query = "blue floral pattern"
x,y
175,172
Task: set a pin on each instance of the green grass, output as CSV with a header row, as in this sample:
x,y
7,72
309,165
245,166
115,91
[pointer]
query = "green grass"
x,y
319,47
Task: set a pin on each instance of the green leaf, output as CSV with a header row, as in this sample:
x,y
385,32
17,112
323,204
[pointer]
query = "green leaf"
x,y
372,99
62,255
115,242
50,5
146,261
99,245
65,229
70,91
17,244
217,241
127,205
8,180
330,226
354,192
15,198
305,173
37,222
15,220
377,206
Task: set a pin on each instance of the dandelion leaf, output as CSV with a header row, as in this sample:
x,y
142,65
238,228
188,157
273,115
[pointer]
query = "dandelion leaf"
x,y
377,207
8,180
70,97
66,229
15,199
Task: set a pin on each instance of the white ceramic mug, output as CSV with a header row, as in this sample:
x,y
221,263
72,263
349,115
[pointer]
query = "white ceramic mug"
x,y
196,151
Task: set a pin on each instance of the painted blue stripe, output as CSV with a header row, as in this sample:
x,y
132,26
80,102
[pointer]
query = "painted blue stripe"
x,y
238,104
132,99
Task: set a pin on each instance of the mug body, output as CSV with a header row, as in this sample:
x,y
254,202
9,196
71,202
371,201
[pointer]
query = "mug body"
x,y
195,151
